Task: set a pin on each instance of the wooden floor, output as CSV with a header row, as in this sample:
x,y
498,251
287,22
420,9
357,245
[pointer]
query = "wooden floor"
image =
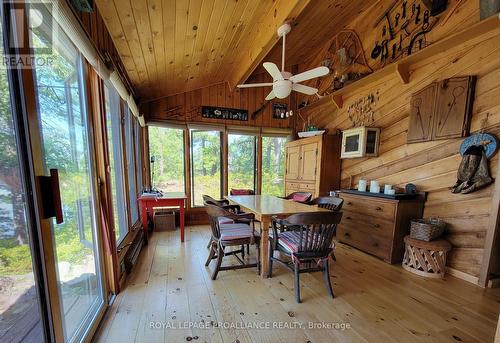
x,y
375,302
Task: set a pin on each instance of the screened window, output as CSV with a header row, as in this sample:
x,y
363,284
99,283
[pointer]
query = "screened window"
x,y
113,129
206,163
131,165
273,165
166,149
241,149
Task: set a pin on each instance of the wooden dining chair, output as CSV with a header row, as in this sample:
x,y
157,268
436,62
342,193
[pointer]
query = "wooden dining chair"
x,y
208,200
227,235
302,197
307,238
330,203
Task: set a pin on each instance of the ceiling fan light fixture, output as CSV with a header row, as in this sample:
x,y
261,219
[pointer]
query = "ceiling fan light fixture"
x,y
282,88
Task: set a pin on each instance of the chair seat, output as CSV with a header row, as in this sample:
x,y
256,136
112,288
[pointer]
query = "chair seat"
x,y
290,240
230,232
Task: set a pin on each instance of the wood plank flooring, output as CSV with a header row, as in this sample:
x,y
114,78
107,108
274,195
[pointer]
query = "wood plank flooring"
x,y
375,302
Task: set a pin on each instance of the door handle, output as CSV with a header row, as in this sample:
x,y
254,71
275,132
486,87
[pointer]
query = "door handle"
x,y
51,196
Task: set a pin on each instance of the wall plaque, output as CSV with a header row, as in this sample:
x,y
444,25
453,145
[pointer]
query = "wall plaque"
x,y
224,113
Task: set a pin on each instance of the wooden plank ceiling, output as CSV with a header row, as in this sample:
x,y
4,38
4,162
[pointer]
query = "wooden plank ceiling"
x,y
173,46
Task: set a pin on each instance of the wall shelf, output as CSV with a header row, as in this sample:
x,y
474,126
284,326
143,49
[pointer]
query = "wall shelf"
x,y
402,67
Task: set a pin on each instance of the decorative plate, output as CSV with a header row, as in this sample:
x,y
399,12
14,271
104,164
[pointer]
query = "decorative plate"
x,y
489,141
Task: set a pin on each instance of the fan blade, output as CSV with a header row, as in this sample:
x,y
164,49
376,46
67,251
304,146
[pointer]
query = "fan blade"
x,y
304,89
248,85
270,96
310,74
273,70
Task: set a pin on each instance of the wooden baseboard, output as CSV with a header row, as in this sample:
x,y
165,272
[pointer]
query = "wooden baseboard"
x,y
461,275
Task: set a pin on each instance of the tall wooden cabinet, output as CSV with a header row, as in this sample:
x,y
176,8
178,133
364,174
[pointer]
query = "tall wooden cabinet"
x,y
313,165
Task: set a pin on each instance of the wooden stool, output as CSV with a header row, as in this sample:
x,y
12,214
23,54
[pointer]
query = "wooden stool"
x,y
426,259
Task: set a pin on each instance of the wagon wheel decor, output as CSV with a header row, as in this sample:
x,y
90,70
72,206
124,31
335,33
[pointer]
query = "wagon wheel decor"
x,y
346,59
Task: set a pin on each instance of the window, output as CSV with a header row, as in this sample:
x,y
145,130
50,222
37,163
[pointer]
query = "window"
x,y
114,130
166,149
206,164
273,165
241,167
131,165
18,295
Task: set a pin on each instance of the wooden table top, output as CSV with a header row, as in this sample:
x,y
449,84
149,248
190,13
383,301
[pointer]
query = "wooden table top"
x,y
166,195
268,205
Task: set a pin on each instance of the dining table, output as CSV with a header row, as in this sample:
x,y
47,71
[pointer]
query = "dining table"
x,y
265,207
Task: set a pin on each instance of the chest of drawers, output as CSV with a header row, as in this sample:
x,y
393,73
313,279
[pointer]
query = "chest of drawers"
x,y
376,225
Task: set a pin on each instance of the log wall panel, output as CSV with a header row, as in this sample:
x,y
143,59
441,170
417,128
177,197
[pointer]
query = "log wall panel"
x,y
432,166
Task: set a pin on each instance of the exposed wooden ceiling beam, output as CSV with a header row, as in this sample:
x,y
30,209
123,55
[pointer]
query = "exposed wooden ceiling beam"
x,y
262,40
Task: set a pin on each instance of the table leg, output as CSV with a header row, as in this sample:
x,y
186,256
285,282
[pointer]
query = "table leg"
x,y
264,248
181,219
144,216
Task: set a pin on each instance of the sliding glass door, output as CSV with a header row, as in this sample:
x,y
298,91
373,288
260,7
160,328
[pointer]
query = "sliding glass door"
x,y
20,302
66,146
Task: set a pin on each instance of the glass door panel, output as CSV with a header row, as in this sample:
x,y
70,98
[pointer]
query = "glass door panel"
x,y
66,146
20,318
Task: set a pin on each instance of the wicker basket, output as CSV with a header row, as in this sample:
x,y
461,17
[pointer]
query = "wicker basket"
x,y
427,229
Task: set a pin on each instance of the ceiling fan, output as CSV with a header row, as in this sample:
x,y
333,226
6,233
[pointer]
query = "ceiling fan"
x,y
284,82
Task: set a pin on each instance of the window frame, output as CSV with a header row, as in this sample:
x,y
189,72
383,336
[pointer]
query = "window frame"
x,y
271,135
121,159
222,142
256,138
173,127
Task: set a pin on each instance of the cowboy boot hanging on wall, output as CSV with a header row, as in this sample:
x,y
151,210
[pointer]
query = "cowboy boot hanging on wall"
x,y
473,172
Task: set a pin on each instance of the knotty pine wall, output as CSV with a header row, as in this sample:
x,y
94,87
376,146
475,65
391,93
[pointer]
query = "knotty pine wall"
x,y
186,107
432,166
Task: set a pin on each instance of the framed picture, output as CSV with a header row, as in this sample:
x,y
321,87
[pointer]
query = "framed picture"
x,y
279,110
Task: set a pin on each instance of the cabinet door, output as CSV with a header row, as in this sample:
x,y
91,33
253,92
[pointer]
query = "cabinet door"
x,y
454,107
308,162
422,108
292,162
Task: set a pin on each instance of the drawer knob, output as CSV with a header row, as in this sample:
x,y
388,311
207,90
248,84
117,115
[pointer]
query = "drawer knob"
x,y
375,244
377,225
379,208
349,203
347,234
348,217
